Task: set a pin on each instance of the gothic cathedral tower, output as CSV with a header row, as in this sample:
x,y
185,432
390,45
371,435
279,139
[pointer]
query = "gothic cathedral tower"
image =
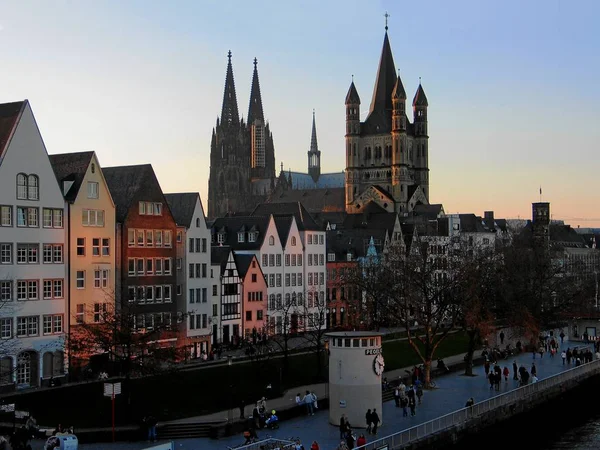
x,y
242,157
387,156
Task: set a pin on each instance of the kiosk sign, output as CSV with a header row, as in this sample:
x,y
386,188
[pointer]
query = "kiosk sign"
x,y
373,351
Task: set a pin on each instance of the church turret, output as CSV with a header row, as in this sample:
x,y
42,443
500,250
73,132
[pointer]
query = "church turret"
x,y
399,184
229,113
314,155
352,140
421,163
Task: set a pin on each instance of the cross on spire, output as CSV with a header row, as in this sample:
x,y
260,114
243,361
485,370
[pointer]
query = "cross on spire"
x,y
255,62
229,55
386,15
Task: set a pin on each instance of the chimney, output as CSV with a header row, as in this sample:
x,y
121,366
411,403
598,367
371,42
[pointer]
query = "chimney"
x,y
488,215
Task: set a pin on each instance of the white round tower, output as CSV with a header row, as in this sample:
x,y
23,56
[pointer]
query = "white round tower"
x,y
355,368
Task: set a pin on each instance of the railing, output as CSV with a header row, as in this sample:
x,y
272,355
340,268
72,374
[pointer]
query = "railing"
x,y
267,444
410,435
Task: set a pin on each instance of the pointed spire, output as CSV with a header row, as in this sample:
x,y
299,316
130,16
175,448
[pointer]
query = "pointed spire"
x,y
352,95
420,97
314,147
399,91
229,113
255,110
386,78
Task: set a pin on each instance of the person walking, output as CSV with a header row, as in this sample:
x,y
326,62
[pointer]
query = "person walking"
x,y
533,370
315,400
375,420
515,371
412,404
502,338
315,446
404,405
369,419
151,424
343,426
362,440
397,396
309,401
506,372
563,355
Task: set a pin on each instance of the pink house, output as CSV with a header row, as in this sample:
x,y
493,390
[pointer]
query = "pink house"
x,y
254,296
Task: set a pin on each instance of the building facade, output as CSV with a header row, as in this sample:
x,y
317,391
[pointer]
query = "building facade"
x,y
387,156
242,154
91,238
146,252
33,286
254,295
195,280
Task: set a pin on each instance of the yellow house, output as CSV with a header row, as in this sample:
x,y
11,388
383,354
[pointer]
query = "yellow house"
x,y
90,236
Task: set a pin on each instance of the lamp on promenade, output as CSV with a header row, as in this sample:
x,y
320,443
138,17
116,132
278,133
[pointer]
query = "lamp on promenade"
x,y
230,405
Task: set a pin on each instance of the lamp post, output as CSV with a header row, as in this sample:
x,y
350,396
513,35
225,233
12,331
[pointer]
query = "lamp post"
x,y
230,406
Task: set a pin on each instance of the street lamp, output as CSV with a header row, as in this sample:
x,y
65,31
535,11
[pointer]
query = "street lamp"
x,y
229,409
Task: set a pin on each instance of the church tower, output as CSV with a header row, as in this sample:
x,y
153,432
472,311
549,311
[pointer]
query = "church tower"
x,y
420,105
399,164
314,155
352,142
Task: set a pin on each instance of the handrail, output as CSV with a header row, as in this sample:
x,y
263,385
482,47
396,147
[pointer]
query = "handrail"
x,y
448,421
267,444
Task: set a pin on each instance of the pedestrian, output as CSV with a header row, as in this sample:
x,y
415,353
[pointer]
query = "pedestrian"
x,y
151,425
533,370
563,355
502,337
470,402
298,399
315,446
413,406
362,440
397,397
506,373
309,402
343,425
343,445
350,439
562,336
404,405
369,419
419,391
375,420
515,371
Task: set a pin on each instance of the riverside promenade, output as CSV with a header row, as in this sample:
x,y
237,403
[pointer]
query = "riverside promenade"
x,y
451,393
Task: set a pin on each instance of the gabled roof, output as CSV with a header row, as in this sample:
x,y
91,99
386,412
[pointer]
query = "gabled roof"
x,y
232,225
430,211
303,218
283,225
354,241
220,255
71,167
10,114
182,207
302,180
242,262
125,182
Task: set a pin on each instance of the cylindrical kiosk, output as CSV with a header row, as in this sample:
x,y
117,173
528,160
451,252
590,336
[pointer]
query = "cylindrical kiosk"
x,y
355,368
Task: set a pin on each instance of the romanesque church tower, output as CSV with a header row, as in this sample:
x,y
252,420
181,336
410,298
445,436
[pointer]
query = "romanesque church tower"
x,y
387,156
242,155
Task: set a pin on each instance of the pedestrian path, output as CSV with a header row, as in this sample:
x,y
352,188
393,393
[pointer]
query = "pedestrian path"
x,y
452,392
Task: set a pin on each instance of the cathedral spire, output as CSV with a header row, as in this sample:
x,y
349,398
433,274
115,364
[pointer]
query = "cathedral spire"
x,y
229,113
255,110
314,155
314,147
386,78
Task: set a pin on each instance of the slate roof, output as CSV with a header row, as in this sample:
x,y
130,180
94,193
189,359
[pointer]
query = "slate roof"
x,y
124,182
373,217
355,241
219,255
385,81
420,98
242,262
10,113
232,225
352,95
470,223
303,217
326,180
71,167
182,207
323,218
314,200
430,211
283,224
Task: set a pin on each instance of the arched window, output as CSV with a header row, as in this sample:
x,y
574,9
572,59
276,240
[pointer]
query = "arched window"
x,y
197,222
278,301
300,300
33,187
293,240
322,299
27,368
287,299
6,369
271,240
293,299
47,362
58,364
272,302
22,186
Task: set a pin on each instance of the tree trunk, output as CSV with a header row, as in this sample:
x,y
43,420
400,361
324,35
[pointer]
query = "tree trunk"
x,y
470,352
427,372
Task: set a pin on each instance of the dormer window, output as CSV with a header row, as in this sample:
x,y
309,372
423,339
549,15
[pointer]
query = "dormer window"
x,y
349,256
241,236
252,237
330,257
221,238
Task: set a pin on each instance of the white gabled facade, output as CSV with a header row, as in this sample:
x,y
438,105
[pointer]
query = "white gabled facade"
x,y
33,287
199,283
315,269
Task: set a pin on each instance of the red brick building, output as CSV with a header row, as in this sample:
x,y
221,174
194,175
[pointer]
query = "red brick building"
x,y
145,248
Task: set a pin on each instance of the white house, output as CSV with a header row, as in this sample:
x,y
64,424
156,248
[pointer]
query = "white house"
x,y
196,284
33,285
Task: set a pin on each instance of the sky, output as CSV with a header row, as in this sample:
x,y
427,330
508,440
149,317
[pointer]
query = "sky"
x,y
512,86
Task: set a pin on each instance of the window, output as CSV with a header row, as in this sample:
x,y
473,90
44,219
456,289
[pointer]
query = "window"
x,y
293,279
139,294
278,260
321,239
158,293
95,246
249,316
310,280
158,266
99,312
179,263
5,253
240,236
142,210
149,266
149,238
271,260
204,270
309,238
299,279
293,240
168,238
157,209
53,324
271,240
287,260
330,257
321,278
310,259
27,326
321,259
92,218
192,296
27,217
198,245
197,266
271,280
6,328
27,253
149,294
131,294
52,289
131,267
28,187
80,279
299,260
167,266
293,260
204,244
80,313
6,291
259,314
287,279
131,238
6,216
140,237
92,189
105,247
191,245
179,236
167,293
101,278
265,260
252,236
140,266
278,284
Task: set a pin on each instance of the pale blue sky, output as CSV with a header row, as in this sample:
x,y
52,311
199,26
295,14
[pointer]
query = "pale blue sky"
x,y
512,86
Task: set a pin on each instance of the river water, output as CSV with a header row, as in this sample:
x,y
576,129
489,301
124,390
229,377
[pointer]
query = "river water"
x,y
583,437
